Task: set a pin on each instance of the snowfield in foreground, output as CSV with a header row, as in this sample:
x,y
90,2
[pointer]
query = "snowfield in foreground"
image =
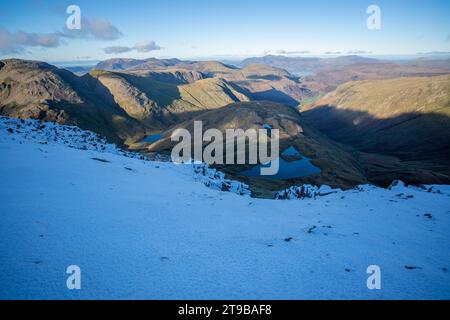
x,y
152,230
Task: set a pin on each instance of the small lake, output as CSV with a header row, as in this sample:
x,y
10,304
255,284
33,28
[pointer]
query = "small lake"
x,y
288,169
152,138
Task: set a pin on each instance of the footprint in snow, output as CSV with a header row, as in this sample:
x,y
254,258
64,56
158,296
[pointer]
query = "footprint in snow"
x,y
412,267
101,160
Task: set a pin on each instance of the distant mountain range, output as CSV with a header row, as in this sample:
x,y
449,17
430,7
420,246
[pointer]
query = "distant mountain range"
x,y
119,64
303,65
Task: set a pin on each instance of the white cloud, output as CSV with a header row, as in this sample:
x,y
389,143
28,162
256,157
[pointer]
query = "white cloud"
x,y
359,52
91,28
435,53
145,46
15,42
117,49
293,52
98,29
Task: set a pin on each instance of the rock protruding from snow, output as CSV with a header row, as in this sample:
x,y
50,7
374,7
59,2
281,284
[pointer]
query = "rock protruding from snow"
x,y
304,191
216,180
297,192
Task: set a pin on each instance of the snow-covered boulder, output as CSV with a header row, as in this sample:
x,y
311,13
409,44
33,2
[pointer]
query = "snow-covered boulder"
x,y
397,184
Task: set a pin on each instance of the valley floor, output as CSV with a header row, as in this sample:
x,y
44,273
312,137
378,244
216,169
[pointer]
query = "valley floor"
x,y
150,230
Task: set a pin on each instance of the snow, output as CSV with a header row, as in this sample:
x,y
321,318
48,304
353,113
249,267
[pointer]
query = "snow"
x,y
143,229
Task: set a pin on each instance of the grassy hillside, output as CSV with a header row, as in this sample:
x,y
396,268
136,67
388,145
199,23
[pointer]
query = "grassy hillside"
x,y
157,98
384,99
408,118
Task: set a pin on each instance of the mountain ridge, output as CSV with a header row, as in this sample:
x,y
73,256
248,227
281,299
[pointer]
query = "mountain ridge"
x,y
32,89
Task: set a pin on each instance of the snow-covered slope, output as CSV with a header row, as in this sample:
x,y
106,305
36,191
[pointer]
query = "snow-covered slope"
x,y
153,230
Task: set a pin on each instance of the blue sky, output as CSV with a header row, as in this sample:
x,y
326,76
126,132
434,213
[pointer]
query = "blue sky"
x,y
34,29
